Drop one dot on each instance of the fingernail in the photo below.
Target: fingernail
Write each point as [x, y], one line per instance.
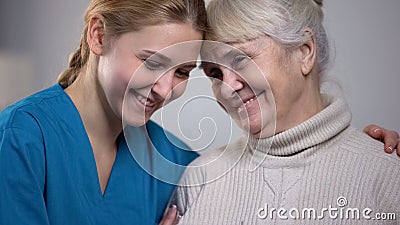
[390, 148]
[376, 130]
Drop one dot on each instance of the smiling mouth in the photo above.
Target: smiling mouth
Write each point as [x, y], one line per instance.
[144, 101]
[248, 103]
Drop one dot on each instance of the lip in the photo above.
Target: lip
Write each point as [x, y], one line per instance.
[250, 99]
[145, 103]
[248, 102]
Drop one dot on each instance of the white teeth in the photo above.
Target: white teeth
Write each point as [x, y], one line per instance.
[241, 108]
[248, 101]
[143, 100]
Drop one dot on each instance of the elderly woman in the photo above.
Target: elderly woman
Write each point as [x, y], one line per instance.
[302, 162]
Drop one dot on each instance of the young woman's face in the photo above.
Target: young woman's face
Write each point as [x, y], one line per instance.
[259, 88]
[137, 79]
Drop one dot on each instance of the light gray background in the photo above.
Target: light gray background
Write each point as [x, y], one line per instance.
[36, 38]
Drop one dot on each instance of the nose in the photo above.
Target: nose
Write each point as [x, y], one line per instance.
[163, 87]
[232, 83]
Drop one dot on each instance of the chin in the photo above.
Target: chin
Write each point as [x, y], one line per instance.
[255, 132]
[135, 120]
[132, 116]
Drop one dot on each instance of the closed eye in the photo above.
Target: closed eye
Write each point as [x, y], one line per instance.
[215, 73]
[240, 61]
[211, 70]
[152, 65]
[181, 73]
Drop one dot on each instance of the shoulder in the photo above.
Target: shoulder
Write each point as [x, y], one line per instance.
[215, 164]
[367, 148]
[368, 158]
[158, 133]
[23, 123]
[21, 142]
[169, 145]
[24, 113]
[20, 118]
[224, 155]
[208, 170]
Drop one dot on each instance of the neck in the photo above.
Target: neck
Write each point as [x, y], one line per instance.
[101, 124]
[320, 128]
[303, 106]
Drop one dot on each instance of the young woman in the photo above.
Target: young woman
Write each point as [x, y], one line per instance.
[63, 156]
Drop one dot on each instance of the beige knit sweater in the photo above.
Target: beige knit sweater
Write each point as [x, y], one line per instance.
[319, 172]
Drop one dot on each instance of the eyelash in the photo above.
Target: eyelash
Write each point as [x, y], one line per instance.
[240, 61]
[152, 65]
[216, 73]
[182, 73]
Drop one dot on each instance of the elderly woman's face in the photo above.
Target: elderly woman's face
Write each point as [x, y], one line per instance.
[256, 82]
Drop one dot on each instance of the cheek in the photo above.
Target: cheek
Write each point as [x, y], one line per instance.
[114, 75]
[115, 84]
[256, 76]
[114, 70]
[216, 88]
[285, 94]
[142, 79]
[179, 88]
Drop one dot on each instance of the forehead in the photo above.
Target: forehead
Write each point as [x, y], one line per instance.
[171, 43]
[220, 53]
[256, 44]
[220, 48]
[160, 36]
[249, 44]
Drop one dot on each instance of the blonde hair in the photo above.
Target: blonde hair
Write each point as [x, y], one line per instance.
[283, 20]
[122, 16]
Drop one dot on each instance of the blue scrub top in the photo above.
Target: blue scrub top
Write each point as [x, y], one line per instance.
[48, 173]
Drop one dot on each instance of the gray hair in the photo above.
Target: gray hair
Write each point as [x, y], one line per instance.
[283, 20]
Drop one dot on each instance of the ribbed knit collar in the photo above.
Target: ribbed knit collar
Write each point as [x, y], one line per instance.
[333, 119]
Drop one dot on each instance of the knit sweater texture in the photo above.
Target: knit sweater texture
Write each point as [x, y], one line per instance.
[321, 171]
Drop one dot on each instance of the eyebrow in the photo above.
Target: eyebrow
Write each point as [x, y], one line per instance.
[234, 52]
[192, 65]
[157, 54]
[231, 53]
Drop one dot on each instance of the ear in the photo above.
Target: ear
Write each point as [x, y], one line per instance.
[308, 52]
[95, 34]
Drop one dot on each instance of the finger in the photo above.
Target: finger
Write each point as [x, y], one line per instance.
[390, 139]
[398, 147]
[374, 131]
[169, 218]
[177, 218]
